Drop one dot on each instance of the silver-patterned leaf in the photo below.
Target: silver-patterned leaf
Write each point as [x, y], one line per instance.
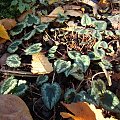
[13, 61]
[35, 48]
[50, 94]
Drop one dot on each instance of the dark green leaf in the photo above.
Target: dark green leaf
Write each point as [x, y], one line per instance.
[98, 87]
[20, 88]
[69, 95]
[50, 94]
[42, 79]
[40, 28]
[62, 18]
[31, 20]
[18, 29]
[14, 46]
[73, 54]
[27, 36]
[109, 101]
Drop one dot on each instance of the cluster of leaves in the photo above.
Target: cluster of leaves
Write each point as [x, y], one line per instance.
[13, 86]
[23, 5]
[6, 11]
[97, 95]
[76, 64]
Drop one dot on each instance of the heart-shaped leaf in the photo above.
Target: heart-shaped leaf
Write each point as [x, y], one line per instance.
[86, 20]
[82, 31]
[53, 49]
[109, 101]
[40, 28]
[83, 62]
[13, 61]
[62, 18]
[109, 33]
[61, 65]
[8, 85]
[29, 35]
[18, 29]
[97, 34]
[50, 94]
[98, 87]
[42, 79]
[35, 48]
[73, 54]
[20, 88]
[31, 20]
[14, 46]
[75, 71]
[100, 25]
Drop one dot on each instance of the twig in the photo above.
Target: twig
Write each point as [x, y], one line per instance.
[36, 112]
[18, 73]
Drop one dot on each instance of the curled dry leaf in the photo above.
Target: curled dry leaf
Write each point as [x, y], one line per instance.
[23, 15]
[83, 111]
[3, 34]
[40, 64]
[8, 23]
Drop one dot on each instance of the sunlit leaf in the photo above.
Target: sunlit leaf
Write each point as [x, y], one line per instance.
[13, 61]
[3, 34]
[117, 32]
[50, 94]
[83, 61]
[100, 25]
[97, 34]
[109, 33]
[75, 71]
[34, 48]
[86, 20]
[40, 64]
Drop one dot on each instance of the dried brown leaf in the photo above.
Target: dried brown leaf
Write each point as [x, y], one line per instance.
[40, 64]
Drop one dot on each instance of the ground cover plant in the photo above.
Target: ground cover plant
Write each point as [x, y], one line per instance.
[62, 57]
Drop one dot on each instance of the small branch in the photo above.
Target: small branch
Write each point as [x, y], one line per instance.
[18, 73]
